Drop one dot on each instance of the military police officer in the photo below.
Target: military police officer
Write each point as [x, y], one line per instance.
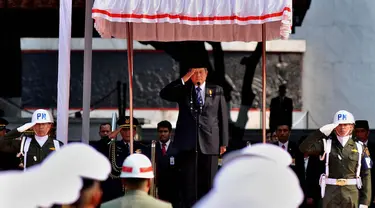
[32, 149]
[347, 178]
[117, 151]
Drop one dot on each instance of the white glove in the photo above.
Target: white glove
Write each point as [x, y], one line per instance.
[327, 129]
[363, 206]
[25, 127]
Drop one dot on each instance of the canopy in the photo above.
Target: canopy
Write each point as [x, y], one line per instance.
[213, 20]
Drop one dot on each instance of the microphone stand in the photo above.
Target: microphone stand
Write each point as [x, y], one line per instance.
[198, 111]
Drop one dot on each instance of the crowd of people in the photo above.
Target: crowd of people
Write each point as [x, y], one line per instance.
[331, 167]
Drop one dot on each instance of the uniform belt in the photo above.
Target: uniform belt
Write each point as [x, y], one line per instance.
[341, 181]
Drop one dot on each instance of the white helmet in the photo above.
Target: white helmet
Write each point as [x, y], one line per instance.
[42, 116]
[343, 117]
[137, 166]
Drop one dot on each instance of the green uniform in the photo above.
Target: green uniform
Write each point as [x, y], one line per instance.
[11, 143]
[136, 199]
[343, 162]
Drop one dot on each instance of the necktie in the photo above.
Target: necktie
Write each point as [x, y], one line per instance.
[283, 147]
[199, 96]
[164, 149]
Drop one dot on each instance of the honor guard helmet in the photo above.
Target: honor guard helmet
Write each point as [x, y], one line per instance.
[124, 122]
[259, 168]
[3, 124]
[42, 116]
[137, 166]
[343, 117]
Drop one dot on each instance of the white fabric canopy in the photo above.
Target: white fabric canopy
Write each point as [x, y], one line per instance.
[215, 20]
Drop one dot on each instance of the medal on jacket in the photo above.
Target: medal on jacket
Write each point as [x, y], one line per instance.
[171, 160]
[210, 92]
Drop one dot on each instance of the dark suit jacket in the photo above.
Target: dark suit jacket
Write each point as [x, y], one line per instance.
[167, 173]
[309, 178]
[213, 121]
[292, 150]
[281, 112]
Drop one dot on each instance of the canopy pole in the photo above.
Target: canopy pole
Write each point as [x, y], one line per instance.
[63, 80]
[87, 69]
[264, 78]
[129, 30]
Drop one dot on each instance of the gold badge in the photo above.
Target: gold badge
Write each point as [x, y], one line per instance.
[354, 150]
[210, 92]
[52, 148]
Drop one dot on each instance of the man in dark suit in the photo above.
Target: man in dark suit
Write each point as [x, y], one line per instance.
[166, 167]
[283, 133]
[193, 95]
[362, 132]
[281, 109]
[308, 169]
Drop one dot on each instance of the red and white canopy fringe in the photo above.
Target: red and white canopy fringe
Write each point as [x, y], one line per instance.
[179, 20]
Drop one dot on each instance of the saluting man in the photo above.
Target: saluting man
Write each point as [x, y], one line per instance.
[347, 178]
[117, 152]
[32, 149]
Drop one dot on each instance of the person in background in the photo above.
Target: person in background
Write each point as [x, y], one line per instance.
[104, 130]
[308, 169]
[8, 161]
[283, 132]
[136, 175]
[3, 126]
[167, 170]
[362, 132]
[281, 109]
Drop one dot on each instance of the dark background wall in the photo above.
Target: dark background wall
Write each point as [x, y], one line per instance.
[152, 71]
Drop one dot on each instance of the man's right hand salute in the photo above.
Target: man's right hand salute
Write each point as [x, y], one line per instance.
[188, 75]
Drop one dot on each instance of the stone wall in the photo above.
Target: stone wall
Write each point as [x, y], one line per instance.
[152, 71]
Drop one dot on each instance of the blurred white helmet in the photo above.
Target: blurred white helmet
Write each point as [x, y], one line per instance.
[343, 117]
[261, 176]
[42, 116]
[137, 166]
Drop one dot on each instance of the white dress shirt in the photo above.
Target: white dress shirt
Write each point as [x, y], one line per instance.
[285, 144]
[41, 140]
[203, 89]
[343, 140]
